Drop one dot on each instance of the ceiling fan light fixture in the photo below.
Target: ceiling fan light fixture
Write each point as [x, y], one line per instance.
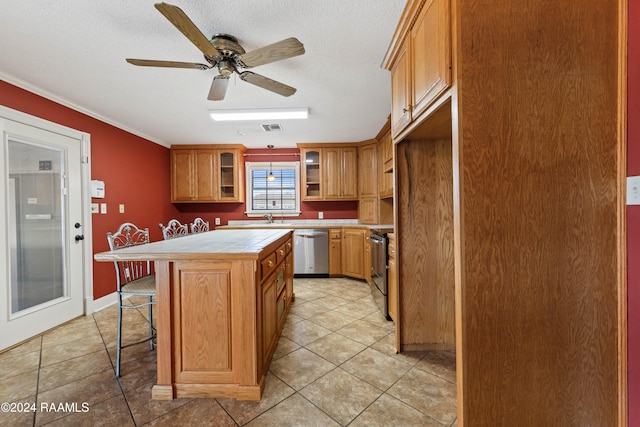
[259, 114]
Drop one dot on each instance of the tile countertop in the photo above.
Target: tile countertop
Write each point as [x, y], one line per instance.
[217, 244]
[298, 224]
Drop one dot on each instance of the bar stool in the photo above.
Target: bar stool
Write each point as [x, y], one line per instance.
[133, 278]
[199, 225]
[174, 229]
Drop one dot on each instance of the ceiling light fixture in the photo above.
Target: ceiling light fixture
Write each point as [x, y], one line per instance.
[259, 114]
[271, 176]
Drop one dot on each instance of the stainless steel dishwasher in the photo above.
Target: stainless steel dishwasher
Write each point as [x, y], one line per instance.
[311, 252]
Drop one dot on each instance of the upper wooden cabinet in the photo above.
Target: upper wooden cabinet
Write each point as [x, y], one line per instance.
[311, 159]
[401, 90]
[329, 171]
[207, 173]
[421, 68]
[385, 165]
[340, 173]
[368, 170]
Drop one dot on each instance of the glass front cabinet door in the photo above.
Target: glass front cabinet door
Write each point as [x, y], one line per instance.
[230, 176]
[311, 174]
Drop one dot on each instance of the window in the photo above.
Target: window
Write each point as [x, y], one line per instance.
[280, 197]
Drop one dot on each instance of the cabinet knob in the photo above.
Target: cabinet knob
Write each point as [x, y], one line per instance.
[281, 251]
[269, 263]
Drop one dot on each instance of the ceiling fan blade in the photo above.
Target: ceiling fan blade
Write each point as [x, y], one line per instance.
[182, 22]
[171, 64]
[218, 88]
[283, 49]
[267, 83]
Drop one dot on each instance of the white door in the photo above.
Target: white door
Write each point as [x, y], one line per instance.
[42, 230]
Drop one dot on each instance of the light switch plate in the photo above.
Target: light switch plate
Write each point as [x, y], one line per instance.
[320, 215]
[217, 221]
[633, 190]
[121, 208]
[103, 208]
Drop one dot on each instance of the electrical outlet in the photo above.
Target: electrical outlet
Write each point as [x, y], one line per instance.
[121, 208]
[320, 215]
[633, 190]
[103, 208]
[217, 221]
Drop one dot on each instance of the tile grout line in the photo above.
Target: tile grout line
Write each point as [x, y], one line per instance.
[35, 413]
[124, 396]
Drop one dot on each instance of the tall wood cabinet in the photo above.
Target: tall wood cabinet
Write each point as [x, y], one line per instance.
[510, 205]
[375, 187]
[207, 173]
[368, 182]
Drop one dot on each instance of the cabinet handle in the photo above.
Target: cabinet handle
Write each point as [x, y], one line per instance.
[269, 263]
[281, 252]
[408, 109]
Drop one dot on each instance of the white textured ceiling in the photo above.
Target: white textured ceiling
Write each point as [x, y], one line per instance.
[74, 51]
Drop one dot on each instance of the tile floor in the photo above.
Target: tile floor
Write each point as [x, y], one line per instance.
[334, 366]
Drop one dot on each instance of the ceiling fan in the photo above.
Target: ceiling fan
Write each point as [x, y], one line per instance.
[224, 53]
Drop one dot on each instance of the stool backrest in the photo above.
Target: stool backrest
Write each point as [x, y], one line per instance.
[199, 225]
[174, 229]
[129, 235]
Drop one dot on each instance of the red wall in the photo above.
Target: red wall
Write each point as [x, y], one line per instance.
[633, 215]
[136, 173]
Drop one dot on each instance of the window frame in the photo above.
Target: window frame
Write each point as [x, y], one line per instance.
[249, 167]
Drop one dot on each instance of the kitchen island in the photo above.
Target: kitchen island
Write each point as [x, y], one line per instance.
[222, 298]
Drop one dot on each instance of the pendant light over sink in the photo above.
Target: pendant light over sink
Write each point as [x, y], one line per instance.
[271, 176]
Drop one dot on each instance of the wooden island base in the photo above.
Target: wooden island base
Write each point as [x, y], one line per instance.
[222, 299]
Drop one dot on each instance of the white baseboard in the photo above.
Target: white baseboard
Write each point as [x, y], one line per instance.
[102, 303]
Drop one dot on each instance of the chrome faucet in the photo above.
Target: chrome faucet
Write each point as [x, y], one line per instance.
[269, 217]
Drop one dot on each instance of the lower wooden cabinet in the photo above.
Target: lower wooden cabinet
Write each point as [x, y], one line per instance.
[276, 295]
[353, 253]
[392, 284]
[269, 318]
[335, 252]
[220, 319]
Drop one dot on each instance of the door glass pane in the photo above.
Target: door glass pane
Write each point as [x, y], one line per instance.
[36, 224]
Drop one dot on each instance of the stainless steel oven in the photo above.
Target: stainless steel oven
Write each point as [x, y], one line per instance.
[378, 285]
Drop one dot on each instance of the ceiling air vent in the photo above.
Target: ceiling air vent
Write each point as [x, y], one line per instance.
[271, 128]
